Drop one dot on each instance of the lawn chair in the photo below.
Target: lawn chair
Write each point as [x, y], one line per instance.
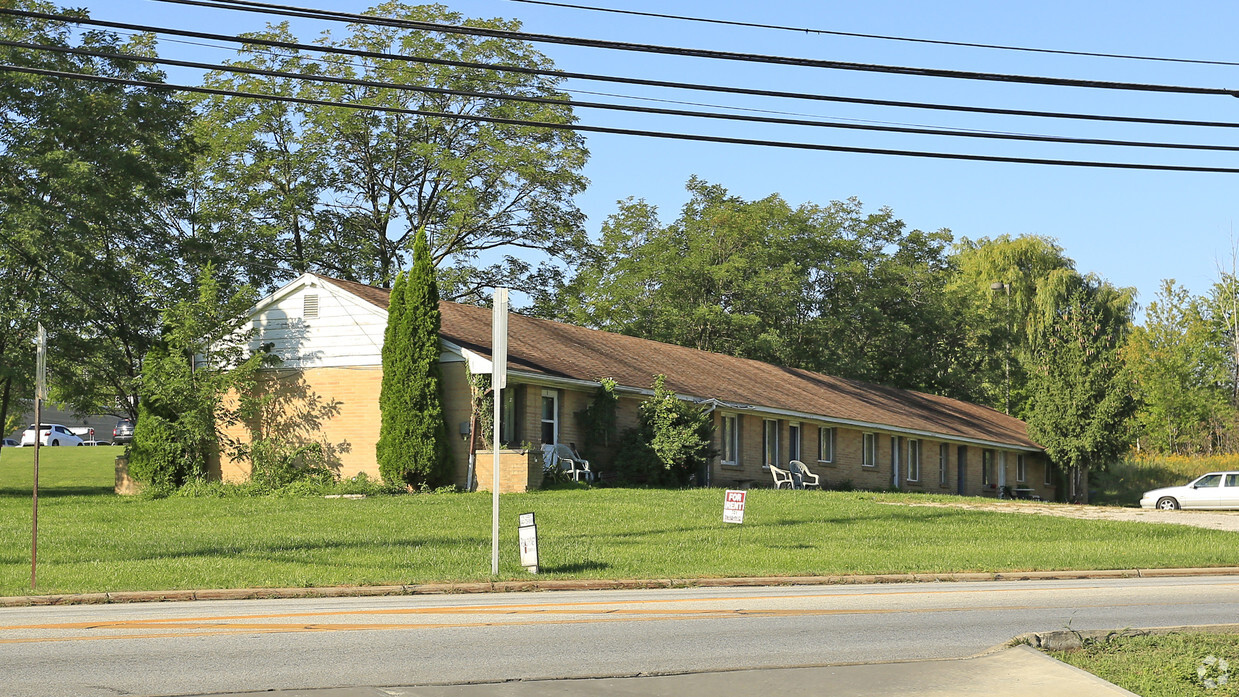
[807, 478]
[570, 462]
[781, 477]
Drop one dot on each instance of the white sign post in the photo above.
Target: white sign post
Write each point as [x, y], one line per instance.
[527, 534]
[498, 381]
[733, 506]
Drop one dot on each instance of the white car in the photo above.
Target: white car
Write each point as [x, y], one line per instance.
[50, 434]
[1216, 490]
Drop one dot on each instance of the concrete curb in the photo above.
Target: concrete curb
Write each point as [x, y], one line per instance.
[589, 584]
[1070, 640]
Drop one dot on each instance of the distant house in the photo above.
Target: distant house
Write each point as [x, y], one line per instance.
[329, 334]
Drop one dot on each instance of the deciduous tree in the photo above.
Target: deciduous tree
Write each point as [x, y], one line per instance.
[1079, 391]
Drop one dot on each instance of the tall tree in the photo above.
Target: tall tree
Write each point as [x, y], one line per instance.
[1080, 393]
[365, 181]
[1179, 373]
[184, 408]
[413, 446]
[89, 173]
[993, 289]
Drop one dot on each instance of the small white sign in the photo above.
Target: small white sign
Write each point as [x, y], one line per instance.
[733, 506]
[527, 536]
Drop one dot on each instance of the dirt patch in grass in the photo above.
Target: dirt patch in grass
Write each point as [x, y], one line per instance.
[1211, 520]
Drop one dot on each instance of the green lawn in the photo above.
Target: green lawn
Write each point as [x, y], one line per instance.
[1169, 665]
[91, 540]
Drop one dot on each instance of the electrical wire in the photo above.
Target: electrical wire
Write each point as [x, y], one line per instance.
[309, 13]
[620, 131]
[613, 107]
[884, 37]
[807, 96]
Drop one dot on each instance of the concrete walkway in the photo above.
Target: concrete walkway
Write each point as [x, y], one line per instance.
[1019, 671]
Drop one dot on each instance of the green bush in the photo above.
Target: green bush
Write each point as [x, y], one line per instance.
[671, 443]
[276, 464]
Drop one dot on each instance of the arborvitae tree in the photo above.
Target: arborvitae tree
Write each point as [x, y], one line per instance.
[413, 445]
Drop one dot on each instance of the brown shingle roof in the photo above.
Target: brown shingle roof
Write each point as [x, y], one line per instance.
[559, 350]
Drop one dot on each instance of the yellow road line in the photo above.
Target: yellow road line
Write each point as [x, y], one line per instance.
[196, 628]
[557, 608]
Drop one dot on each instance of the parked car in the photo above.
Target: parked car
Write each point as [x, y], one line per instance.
[95, 442]
[10, 443]
[123, 433]
[50, 434]
[1216, 490]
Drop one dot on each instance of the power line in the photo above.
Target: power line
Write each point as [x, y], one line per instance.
[884, 37]
[620, 131]
[808, 96]
[614, 107]
[290, 11]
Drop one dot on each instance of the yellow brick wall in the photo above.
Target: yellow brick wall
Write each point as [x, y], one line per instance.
[846, 465]
[337, 407]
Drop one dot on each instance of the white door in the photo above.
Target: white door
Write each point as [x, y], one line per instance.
[1203, 493]
[1229, 493]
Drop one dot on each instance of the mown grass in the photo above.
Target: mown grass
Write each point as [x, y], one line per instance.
[101, 542]
[1124, 482]
[1170, 665]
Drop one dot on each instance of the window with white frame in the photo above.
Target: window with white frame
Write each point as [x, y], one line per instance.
[550, 417]
[731, 439]
[825, 444]
[793, 441]
[869, 452]
[770, 442]
[987, 467]
[1021, 470]
[944, 457]
[914, 460]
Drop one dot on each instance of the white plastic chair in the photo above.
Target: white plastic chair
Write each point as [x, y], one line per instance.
[781, 477]
[807, 478]
[575, 466]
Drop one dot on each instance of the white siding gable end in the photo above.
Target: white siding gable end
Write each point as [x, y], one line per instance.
[346, 331]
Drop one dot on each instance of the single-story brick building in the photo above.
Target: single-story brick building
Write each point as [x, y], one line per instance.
[329, 334]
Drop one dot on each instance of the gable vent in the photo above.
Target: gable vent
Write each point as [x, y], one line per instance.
[310, 309]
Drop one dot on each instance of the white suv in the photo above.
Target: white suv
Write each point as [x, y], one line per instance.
[50, 434]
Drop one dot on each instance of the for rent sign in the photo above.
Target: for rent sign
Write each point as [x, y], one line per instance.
[733, 506]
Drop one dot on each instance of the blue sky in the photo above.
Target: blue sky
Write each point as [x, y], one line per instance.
[1132, 227]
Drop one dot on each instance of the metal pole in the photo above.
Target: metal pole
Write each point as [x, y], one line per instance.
[1006, 364]
[494, 490]
[40, 392]
[34, 527]
[499, 380]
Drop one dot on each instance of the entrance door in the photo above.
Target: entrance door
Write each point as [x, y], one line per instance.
[895, 443]
[961, 466]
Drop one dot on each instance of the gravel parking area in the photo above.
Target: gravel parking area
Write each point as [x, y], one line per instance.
[1213, 520]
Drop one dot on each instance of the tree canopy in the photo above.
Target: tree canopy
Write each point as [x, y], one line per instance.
[343, 191]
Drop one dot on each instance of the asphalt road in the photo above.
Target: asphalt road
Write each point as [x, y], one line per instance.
[204, 647]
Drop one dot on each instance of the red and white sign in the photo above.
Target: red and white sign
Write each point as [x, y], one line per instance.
[733, 506]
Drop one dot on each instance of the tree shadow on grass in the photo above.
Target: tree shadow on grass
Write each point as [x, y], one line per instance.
[57, 491]
[576, 568]
[277, 550]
